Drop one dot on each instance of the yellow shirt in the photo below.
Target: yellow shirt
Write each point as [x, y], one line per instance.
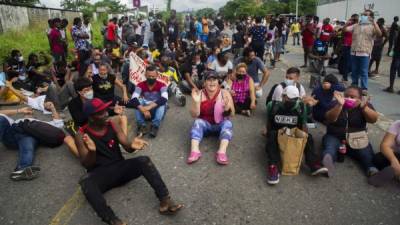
[295, 28]
[155, 54]
[116, 52]
[171, 72]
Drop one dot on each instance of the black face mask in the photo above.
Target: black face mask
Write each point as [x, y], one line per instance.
[290, 104]
[151, 81]
[240, 76]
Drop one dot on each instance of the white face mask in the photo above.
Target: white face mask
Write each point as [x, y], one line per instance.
[103, 76]
[289, 82]
[20, 58]
[88, 95]
[22, 77]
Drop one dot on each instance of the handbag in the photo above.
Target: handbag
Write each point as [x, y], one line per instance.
[356, 140]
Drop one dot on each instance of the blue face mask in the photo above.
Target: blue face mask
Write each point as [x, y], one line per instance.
[364, 19]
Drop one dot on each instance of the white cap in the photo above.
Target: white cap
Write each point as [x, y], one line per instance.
[291, 92]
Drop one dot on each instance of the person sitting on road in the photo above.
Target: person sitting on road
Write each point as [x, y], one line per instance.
[319, 57]
[290, 113]
[323, 96]
[350, 113]
[292, 78]
[99, 149]
[212, 107]
[104, 84]
[223, 66]
[242, 90]
[174, 80]
[6, 96]
[390, 150]
[149, 100]
[254, 64]
[192, 70]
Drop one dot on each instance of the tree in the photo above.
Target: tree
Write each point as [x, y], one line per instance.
[75, 4]
[207, 12]
[22, 2]
[114, 6]
[169, 3]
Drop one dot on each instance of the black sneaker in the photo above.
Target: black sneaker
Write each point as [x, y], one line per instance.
[318, 169]
[142, 129]
[182, 100]
[27, 173]
[153, 131]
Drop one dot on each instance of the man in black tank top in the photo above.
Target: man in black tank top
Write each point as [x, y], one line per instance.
[98, 144]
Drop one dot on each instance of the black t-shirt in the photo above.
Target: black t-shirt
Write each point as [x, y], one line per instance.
[280, 116]
[104, 88]
[220, 24]
[75, 107]
[107, 146]
[356, 120]
[238, 39]
[193, 70]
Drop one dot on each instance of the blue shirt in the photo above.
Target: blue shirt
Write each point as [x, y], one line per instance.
[2, 79]
[258, 33]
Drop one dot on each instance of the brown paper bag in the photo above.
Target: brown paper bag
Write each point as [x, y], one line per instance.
[291, 144]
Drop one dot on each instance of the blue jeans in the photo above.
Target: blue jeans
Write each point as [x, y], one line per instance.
[13, 137]
[202, 127]
[331, 144]
[359, 71]
[157, 114]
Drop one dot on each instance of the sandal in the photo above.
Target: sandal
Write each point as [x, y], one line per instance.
[193, 157]
[169, 207]
[221, 158]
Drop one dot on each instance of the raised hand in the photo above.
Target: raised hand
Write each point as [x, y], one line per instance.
[339, 97]
[196, 95]
[119, 110]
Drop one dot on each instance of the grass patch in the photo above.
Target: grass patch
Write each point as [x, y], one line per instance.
[33, 39]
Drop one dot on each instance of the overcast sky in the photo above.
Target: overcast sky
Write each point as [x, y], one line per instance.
[179, 5]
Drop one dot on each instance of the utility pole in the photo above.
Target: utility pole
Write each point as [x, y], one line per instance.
[347, 9]
[297, 9]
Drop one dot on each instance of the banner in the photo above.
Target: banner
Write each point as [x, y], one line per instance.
[137, 69]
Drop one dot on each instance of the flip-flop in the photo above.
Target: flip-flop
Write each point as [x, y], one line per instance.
[171, 208]
[193, 157]
[221, 158]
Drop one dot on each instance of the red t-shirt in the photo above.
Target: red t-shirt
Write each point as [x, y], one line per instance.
[111, 27]
[56, 46]
[347, 39]
[326, 32]
[308, 35]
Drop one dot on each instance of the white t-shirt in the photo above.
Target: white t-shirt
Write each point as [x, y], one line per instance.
[277, 96]
[59, 123]
[221, 69]
[38, 103]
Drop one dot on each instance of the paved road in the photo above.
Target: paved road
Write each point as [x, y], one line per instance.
[234, 194]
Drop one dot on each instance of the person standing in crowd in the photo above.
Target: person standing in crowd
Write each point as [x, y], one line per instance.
[362, 42]
[393, 33]
[254, 64]
[219, 22]
[172, 28]
[238, 40]
[290, 112]
[295, 30]
[345, 59]
[186, 25]
[112, 35]
[308, 32]
[258, 34]
[147, 32]
[157, 28]
[100, 153]
[377, 49]
[87, 27]
[326, 32]
[64, 37]
[81, 45]
[394, 66]
[57, 44]
[212, 107]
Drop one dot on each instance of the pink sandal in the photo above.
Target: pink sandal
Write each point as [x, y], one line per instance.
[221, 158]
[193, 157]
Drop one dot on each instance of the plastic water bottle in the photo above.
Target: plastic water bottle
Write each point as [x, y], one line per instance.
[343, 148]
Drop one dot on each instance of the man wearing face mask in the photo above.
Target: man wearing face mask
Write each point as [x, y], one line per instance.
[363, 37]
[149, 101]
[292, 78]
[290, 113]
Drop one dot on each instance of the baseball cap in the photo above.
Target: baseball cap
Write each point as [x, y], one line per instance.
[291, 92]
[145, 46]
[210, 73]
[95, 105]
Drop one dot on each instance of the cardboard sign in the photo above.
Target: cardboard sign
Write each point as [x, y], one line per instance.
[137, 69]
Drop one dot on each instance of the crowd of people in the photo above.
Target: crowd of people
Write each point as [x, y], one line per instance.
[215, 62]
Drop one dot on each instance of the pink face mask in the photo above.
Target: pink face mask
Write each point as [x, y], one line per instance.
[349, 103]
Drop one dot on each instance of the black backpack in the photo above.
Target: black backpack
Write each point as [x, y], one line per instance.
[45, 133]
[271, 92]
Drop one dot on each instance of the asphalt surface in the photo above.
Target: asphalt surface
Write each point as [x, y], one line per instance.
[212, 194]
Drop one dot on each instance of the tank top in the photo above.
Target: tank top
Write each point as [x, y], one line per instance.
[207, 107]
[241, 89]
[107, 145]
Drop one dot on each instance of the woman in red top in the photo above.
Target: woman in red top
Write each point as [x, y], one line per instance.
[308, 32]
[212, 107]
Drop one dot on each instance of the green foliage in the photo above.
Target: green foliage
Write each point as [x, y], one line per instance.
[207, 12]
[169, 3]
[75, 4]
[235, 9]
[114, 6]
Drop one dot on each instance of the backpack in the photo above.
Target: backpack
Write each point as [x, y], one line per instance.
[45, 133]
[319, 47]
[271, 92]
